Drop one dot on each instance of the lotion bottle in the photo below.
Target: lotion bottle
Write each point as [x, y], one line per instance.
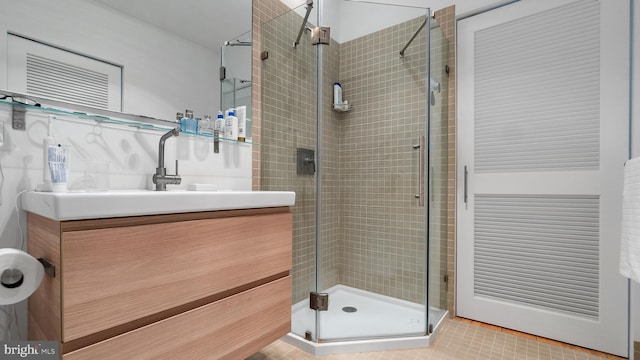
[218, 126]
[231, 126]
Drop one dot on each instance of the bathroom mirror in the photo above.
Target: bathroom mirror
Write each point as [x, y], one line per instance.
[160, 59]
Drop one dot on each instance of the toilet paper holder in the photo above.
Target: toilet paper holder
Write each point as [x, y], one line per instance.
[49, 268]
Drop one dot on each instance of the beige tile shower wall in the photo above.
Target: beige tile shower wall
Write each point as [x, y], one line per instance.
[288, 83]
[261, 11]
[382, 229]
[447, 19]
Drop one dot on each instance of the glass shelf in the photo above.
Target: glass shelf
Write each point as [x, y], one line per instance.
[137, 121]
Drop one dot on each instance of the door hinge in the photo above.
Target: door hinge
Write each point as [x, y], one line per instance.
[446, 69]
[321, 35]
[319, 301]
[446, 278]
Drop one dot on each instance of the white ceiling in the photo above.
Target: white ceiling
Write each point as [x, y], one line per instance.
[212, 22]
[206, 22]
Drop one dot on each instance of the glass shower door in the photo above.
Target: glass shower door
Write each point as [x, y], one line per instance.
[372, 237]
[438, 173]
[288, 146]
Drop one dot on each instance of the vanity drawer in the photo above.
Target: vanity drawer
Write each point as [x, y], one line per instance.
[232, 328]
[113, 276]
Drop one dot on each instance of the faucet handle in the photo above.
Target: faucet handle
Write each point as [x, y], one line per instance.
[176, 167]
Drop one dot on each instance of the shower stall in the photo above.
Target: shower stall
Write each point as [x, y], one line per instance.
[370, 173]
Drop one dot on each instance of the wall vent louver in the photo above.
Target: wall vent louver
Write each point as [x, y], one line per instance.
[58, 80]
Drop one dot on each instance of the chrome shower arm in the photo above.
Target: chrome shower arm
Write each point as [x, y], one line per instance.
[304, 22]
[413, 37]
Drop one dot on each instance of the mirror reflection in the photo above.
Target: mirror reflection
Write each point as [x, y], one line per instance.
[124, 55]
[235, 75]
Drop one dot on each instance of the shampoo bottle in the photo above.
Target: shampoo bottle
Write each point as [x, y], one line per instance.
[218, 126]
[231, 126]
[337, 93]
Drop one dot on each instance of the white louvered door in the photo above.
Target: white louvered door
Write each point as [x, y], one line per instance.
[543, 136]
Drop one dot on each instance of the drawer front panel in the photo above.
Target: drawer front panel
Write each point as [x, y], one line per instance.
[117, 275]
[232, 328]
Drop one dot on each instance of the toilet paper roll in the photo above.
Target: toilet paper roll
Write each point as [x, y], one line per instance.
[20, 275]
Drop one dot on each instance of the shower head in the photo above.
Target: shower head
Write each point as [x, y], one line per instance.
[304, 23]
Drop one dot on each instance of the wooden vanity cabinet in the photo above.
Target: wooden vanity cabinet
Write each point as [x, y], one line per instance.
[206, 285]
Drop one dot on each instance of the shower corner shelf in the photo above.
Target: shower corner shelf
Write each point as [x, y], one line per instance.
[344, 107]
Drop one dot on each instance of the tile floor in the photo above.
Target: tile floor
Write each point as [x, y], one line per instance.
[459, 339]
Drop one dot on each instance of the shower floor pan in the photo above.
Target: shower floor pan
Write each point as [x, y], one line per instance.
[362, 321]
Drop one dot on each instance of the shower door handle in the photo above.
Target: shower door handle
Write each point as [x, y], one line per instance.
[465, 193]
[421, 166]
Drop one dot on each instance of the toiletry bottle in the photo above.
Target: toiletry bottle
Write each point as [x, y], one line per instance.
[193, 123]
[183, 123]
[197, 122]
[231, 126]
[242, 123]
[205, 126]
[47, 142]
[188, 124]
[218, 126]
[337, 93]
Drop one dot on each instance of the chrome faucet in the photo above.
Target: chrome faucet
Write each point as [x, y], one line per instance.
[160, 178]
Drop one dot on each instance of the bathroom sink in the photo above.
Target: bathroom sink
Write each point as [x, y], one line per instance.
[92, 205]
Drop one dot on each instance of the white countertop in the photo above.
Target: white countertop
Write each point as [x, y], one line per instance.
[120, 203]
